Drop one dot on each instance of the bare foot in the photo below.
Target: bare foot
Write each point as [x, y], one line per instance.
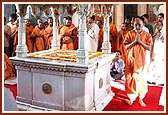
[142, 103]
[128, 102]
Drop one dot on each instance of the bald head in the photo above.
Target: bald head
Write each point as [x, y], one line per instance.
[138, 24]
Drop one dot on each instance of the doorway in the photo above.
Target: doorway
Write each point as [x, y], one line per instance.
[130, 10]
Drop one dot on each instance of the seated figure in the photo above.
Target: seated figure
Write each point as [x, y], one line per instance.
[117, 66]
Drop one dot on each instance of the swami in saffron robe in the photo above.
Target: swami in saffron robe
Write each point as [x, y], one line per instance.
[136, 84]
[29, 41]
[67, 43]
[39, 41]
[48, 35]
[114, 38]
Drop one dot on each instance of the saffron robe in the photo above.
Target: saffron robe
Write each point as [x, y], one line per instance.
[100, 39]
[38, 36]
[9, 69]
[114, 37]
[29, 41]
[48, 36]
[70, 41]
[135, 84]
[122, 47]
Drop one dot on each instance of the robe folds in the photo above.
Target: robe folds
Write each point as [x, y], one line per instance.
[114, 38]
[48, 35]
[67, 43]
[100, 39]
[29, 41]
[39, 41]
[122, 46]
[136, 84]
[9, 69]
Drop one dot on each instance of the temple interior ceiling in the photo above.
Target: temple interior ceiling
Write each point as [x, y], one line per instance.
[60, 9]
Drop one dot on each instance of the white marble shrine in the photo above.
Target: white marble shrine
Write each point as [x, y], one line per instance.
[65, 86]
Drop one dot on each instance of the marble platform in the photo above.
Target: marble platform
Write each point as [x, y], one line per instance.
[51, 85]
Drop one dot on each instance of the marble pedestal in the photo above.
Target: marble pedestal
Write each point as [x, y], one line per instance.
[64, 86]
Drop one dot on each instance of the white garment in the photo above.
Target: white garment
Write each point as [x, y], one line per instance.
[156, 69]
[158, 49]
[156, 72]
[92, 36]
[119, 65]
[147, 51]
[145, 29]
[10, 24]
[9, 101]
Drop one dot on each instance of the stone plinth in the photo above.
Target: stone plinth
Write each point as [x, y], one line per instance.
[65, 86]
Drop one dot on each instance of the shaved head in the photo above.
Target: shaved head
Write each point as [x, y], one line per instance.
[138, 24]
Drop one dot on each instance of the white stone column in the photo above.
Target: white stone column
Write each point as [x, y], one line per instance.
[106, 45]
[21, 48]
[82, 52]
[119, 17]
[55, 42]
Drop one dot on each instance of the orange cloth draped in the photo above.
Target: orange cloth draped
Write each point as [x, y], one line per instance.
[100, 39]
[69, 45]
[48, 36]
[14, 31]
[114, 39]
[76, 43]
[29, 41]
[122, 47]
[9, 69]
[135, 81]
[38, 36]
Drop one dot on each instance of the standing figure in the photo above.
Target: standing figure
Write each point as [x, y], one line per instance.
[67, 34]
[38, 36]
[128, 20]
[147, 24]
[29, 29]
[100, 37]
[122, 34]
[137, 42]
[92, 34]
[156, 72]
[12, 24]
[48, 33]
[114, 38]
[7, 35]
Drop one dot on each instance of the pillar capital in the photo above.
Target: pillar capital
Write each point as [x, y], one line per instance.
[21, 9]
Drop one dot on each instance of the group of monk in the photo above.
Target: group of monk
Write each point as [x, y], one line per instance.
[40, 37]
[132, 40]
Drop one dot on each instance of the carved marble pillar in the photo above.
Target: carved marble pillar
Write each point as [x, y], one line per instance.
[82, 52]
[21, 49]
[106, 45]
[106, 11]
[55, 42]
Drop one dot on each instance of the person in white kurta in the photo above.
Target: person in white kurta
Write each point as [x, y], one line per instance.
[156, 70]
[92, 34]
